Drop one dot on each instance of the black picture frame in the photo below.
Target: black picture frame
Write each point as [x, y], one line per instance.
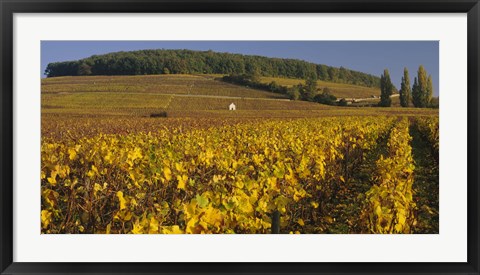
[9, 7]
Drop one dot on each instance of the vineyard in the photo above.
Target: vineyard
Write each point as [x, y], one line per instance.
[350, 174]
[150, 84]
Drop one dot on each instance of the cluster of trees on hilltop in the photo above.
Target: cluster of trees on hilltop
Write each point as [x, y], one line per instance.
[420, 94]
[204, 62]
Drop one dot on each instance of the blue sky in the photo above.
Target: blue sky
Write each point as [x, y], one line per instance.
[366, 56]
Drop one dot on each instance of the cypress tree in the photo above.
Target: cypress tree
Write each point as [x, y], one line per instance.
[405, 90]
[421, 92]
[429, 92]
[416, 95]
[386, 88]
[422, 86]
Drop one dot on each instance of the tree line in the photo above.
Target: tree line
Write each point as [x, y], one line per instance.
[420, 94]
[161, 61]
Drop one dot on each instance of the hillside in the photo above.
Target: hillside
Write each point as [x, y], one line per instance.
[151, 62]
[144, 95]
[151, 84]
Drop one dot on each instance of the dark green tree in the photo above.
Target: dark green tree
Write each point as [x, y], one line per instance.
[311, 82]
[405, 90]
[309, 90]
[429, 93]
[416, 95]
[274, 87]
[294, 93]
[333, 74]
[421, 92]
[322, 72]
[84, 69]
[422, 86]
[386, 88]
[342, 102]
[253, 76]
[325, 97]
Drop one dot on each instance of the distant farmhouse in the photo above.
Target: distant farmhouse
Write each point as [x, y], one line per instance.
[232, 107]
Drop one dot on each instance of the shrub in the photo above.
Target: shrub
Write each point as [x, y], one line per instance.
[325, 98]
[342, 102]
[159, 114]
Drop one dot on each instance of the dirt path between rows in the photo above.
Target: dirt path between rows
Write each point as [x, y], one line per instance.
[426, 187]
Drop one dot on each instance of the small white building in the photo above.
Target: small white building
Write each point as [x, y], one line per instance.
[232, 107]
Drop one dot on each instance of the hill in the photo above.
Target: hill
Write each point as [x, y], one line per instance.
[148, 62]
[144, 95]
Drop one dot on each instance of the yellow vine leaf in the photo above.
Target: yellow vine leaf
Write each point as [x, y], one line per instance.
[182, 180]
[72, 154]
[46, 218]
[137, 228]
[123, 202]
[378, 211]
[53, 177]
[167, 173]
[153, 226]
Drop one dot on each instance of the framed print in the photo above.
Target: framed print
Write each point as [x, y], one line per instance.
[239, 137]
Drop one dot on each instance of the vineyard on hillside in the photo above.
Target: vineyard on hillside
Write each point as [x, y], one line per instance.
[319, 175]
[150, 84]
